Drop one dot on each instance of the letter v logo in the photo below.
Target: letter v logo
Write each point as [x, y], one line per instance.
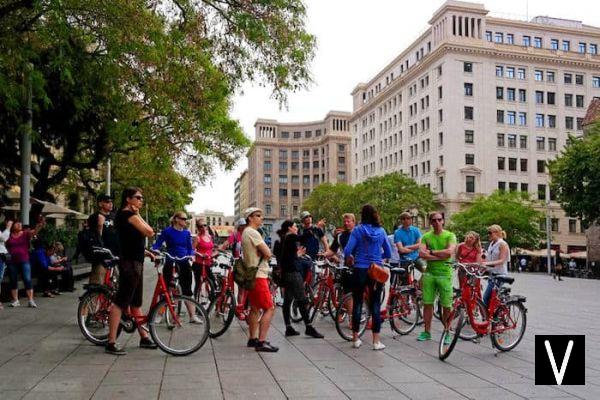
[559, 375]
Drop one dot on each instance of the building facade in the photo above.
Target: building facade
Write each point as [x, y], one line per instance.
[479, 103]
[240, 191]
[288, 160]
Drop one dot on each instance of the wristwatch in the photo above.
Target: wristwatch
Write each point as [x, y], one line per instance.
[430, 252]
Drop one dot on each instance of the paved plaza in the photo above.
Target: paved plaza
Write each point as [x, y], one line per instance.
[44, 356]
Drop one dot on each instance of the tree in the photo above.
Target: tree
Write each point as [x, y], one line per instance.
[114, 77]
[512, 211]
[575, 176]
[391, 194]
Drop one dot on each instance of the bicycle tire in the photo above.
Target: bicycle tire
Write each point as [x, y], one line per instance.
[501, 316]
[199, 332]
[343, 319]
[404, 308]
[99, 299]
[455, 322]
[320, 305]
[204, 292]
[480, 316]
[221, 313]
[295, 314]
[333, 300]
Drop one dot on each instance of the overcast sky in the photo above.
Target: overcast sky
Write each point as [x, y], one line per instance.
[355, 40]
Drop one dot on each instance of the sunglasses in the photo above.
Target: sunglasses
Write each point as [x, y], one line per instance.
[490, 232]
[202, 226]
[183, 219]
[141, 198]
[436, 219]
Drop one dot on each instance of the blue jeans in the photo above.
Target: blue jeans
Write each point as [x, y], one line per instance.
[360, 280]
[13, 270]
[2, 267]
[488, 291]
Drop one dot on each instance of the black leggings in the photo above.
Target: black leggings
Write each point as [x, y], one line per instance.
[293, 289]
[185, 275]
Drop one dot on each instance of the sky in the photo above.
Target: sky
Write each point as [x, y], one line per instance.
[355, 40]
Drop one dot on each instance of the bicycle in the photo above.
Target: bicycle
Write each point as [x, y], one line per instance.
[176, 337]
[328, 290]
[204, 289]
[222, 308]
[505, 315]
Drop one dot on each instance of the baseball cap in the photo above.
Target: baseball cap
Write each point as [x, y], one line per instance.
[240, 222]
[250, 211]
[104, 197]
[305, 214]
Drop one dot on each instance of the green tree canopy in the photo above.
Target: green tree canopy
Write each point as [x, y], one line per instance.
[512, 211]
[391, 194]
[575, 176]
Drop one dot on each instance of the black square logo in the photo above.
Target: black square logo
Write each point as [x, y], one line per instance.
[559, 360]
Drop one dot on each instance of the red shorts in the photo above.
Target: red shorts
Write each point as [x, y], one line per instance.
[260, 297]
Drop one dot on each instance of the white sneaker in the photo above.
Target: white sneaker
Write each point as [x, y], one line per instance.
[195, 320]
[378, 346]
[15, 303]
[356, 344]
[32, 304]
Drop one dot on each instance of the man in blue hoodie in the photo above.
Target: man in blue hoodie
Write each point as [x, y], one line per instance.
[368, 244]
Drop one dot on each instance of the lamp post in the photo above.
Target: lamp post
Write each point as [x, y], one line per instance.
[548, 230]
[25, 147]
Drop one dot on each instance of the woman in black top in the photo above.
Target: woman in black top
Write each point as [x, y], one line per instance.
[293, 282]
[132, 231]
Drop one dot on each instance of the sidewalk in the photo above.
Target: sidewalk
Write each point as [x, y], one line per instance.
[44, 356]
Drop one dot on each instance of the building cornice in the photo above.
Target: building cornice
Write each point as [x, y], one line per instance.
[292, 143]
[585, 30]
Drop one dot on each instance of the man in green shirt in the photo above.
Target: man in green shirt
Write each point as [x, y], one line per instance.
[437, 248]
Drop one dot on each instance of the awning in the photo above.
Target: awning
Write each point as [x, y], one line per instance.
[76, 215]
[577, 254]
[48, 208]
[535, 253]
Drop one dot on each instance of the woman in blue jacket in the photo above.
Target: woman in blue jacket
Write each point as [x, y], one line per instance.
[368, 244]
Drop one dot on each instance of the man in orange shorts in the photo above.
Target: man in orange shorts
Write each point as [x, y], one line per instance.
[256, 253]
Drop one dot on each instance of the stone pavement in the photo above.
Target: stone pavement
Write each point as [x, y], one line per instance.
[44, 356]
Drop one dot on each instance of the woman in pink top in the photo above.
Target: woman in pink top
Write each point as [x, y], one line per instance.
[18, 250]
[469, 252]
[204, 247]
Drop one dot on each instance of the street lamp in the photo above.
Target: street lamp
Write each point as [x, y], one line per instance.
[548, 230]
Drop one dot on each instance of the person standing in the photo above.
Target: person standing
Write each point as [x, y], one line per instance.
[234, 241]
[368, 244]
[4, 235]
[341, 237]
[17, 245]
[132, 231]
[256, 253]
[102, 224]
[312, 236]
[558, 265]
[469, 251]
[407, 239]
[498, 254]
[204, 247]
[522, 264]
[437, 248]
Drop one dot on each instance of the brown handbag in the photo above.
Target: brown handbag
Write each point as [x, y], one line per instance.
[378, 274]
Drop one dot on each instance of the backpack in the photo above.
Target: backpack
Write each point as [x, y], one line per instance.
[86, 241]
[243, 275]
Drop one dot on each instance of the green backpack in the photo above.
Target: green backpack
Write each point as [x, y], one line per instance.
[243, 275]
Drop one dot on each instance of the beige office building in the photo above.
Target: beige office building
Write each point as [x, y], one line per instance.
[288, 160]
[241, 192]
[479, 103]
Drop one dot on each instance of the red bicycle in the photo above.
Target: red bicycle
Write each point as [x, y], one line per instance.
[504, 319]
[173, 334]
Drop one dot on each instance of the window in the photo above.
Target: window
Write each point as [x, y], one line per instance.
[596, 81]
[510, 94]
[440, 92]
[307, 134]
[566, 45]
[579, 124]
[306, 179]
[541, 192]
[523, 165]
[551, 98]
[569, 122]
[305, 164]
[523, 95]
[524, 187]
[500, 140]
[318, 132]
[500, 116]
[541, 143]
[488, 36]
[499, 37]
[305, 193]
[283, 154]
[499, 92]
[267, 192]
[568, 100]
[541, 166]
[470, 184]
[523, 141]
[593, 48]
[554, 44]
[305, 153]
[283, 210]
[316, 164]
[268, 209]
[297, 135]
[523, 118]
[537, 42]
[510, 38]
[539, 75]
[470, 159]
[502, 186]
[552, 144]
[568, 78]
[501, 163]
[469, 137]
[579, 100]
[468, 89]
[511, 117]
[267, 152]
[539, 120]
[551, 121]
[468, 113]
[582, 47]
[283, 179]
[526, 40]
[267, 165]
[267, 178]
[283, 165]
[579, 79]
[554, 222]
[315, 179]
[467, 67]
[341, 147]
[510, 72]
[441, 138]
[521, 73]
[572, 225]
[283, 192]
[499, 71]
[295, 192]
[295, 166]
[550, 76]
[512, 186]
[285, 135]
[512, 141]
[295, 179]
[539, 97]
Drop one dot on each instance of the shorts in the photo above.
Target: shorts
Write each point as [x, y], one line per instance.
[437, 284]
[260, 297]
[131, 284]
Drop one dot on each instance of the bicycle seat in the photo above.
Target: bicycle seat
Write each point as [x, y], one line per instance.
[398, 270]
[504, 279]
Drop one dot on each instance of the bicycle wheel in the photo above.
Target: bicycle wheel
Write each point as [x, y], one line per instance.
[511, 318]
[334, 300]
[295, 314]
[205, 292]
[479, 316]
[404, 312]
[450, 336]
[319, 303]
[186, 335]
[221, 313]
[437, 308]
[343, 318]
[92, 315]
